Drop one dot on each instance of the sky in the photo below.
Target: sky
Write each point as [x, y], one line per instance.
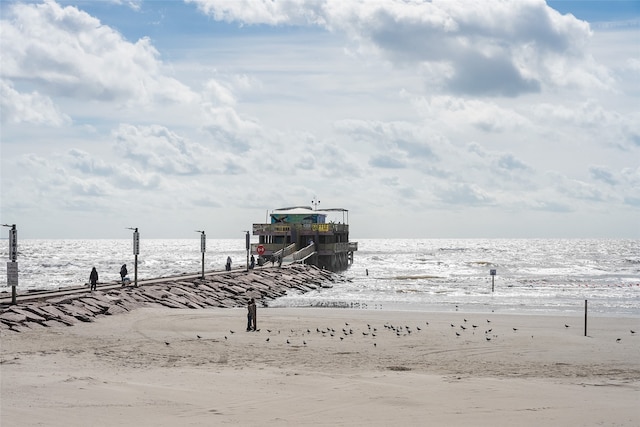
[440, 119]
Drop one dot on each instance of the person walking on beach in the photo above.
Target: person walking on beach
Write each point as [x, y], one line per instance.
[123, 272]
[93, 279]
[253, 262]
[253, 310]
[228, 266]
[249, 316]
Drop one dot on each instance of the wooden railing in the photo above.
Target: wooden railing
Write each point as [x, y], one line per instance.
[286, 251]
[303, 253]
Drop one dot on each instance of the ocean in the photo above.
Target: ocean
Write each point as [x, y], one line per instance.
[532, 275]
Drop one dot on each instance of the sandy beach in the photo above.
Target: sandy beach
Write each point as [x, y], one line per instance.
[312, 366]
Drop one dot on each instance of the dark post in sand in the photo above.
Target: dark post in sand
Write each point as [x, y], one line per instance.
[585, 318]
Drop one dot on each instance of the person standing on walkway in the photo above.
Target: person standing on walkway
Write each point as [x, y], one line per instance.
[93, 279]
[123, 272]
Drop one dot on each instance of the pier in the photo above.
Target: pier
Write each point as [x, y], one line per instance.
[219, 289]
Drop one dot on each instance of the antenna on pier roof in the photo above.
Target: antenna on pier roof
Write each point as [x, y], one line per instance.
[315, 202]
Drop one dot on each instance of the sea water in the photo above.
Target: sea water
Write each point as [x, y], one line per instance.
[532, 275]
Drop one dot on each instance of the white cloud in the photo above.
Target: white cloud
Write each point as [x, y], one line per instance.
[66, 52]
[492, 48]
[30, 108]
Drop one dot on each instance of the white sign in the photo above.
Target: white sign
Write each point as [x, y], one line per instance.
[12, 274]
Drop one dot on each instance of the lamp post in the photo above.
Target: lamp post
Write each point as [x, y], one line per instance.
[136, 252]
[315, 203]
[203, 247]
[12, 265]
[248, 245]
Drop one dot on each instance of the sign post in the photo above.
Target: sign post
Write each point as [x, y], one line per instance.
[203, 247]
[12, 265]
[136, 252]
[493, 276]
[248, 245]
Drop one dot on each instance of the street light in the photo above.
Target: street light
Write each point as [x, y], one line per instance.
[315, 203]
[136, 252]
[248, 245]
[203, 247]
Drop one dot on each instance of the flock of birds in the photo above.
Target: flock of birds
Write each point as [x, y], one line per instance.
[348, 332]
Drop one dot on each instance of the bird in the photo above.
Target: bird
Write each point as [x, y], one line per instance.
[304, 343]
[198, 336]
[287, 341]
[566, 326]
[465, 320]
[269, 330]
[166, 342]
[619, 339]
[375, 345]
[225, 337]
[462, 327]
[452, 325]
[515, 329]
[474, 326]
[233, 332]
[267, 340]
[488, 338]
[488, 321]
[457, 334]
[632, 331]
[341, 338]
[418, 328]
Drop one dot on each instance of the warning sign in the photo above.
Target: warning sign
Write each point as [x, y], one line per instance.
[12, 274]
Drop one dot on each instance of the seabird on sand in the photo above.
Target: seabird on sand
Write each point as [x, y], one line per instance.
[619, 339]
[166, 342]
[566, 326]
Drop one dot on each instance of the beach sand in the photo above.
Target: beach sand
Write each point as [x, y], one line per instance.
[149, 368]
